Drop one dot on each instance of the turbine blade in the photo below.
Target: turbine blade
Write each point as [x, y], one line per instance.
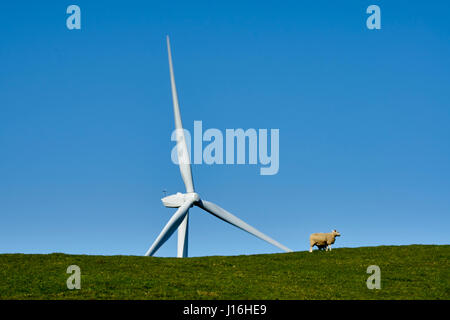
[235, 221]
[170, 227]
[182, 151]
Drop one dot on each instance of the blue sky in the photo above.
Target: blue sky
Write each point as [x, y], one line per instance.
[86, 117]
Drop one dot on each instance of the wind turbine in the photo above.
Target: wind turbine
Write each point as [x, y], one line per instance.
[184, 201]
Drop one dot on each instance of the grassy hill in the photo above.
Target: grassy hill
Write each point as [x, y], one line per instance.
[407, 272]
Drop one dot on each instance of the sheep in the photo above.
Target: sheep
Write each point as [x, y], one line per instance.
[323, 240]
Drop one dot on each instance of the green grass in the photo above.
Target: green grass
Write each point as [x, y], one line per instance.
[407, 272]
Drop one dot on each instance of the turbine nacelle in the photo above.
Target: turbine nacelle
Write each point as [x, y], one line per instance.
[178, 199]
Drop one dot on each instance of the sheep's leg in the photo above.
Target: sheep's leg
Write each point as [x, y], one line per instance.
[329, 246]
[311, 245]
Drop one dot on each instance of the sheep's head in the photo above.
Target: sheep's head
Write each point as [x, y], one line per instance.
[335, 233]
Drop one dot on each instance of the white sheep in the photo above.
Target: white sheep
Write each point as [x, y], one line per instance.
[323, 240]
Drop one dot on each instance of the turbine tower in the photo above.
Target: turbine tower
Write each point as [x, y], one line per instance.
[185, 201]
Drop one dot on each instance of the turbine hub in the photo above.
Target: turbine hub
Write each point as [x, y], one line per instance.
[192, 195]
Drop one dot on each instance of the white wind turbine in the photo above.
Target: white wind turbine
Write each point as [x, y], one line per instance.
[184, 201]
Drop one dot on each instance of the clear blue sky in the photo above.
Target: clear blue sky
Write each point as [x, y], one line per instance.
[86, 117]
